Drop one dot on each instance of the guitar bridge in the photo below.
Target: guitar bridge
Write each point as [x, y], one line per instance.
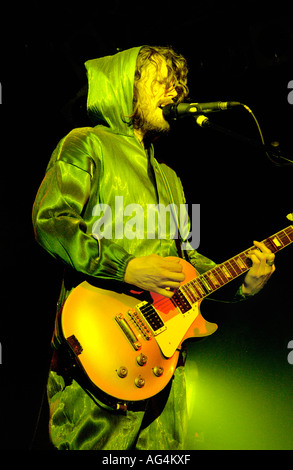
[148, 312]
[128, 331]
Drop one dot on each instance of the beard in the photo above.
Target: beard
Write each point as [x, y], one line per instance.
[152, 122]
[154, 128]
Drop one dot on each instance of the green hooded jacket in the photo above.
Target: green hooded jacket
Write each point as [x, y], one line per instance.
[86, 210]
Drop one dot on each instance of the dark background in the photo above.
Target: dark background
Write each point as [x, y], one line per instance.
[242, 397]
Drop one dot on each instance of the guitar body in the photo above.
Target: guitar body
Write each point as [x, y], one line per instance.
[127, 347]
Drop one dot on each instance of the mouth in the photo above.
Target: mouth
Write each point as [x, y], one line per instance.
[162, 105]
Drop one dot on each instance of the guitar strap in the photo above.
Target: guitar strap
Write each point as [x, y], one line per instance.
[178, 240]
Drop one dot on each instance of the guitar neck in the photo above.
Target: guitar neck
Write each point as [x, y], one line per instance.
[222, 274]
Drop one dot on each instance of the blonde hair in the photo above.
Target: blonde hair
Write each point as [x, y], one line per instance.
[177, 75]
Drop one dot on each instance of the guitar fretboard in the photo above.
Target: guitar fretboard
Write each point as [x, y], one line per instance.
[222, 274]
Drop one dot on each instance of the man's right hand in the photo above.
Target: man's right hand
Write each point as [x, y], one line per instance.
[155, 274]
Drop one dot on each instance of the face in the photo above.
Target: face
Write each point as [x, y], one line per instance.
[153, 94]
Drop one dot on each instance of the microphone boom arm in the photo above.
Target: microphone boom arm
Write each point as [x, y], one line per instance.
[272, 150]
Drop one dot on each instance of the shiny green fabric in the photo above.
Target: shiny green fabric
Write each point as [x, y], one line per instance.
[79, 422]
[91, 166]
[111, 89]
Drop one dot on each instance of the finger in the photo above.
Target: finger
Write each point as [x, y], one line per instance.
[254, 258]
[269, 256]
[262, 247]
[172, 285]
[171, 276]
[259, 265]
[270, 260]
[166, 292]
[260, 255]
[173, 264]
[172, 259]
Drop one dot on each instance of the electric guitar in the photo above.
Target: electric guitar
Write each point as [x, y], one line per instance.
[129, 347]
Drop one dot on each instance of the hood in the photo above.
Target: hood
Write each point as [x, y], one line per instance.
[110, 93]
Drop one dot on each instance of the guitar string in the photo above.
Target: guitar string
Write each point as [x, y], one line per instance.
[285, 237]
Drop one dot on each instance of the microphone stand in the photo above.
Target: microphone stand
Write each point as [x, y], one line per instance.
[273, 151]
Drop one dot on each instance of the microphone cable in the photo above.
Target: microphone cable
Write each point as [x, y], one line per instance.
[272, 151]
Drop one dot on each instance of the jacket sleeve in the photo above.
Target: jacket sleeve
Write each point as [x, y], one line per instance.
[58, 214]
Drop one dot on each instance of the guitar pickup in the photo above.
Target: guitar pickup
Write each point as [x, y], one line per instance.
[148, 312]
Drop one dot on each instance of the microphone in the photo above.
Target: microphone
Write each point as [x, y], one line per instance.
[172, 112]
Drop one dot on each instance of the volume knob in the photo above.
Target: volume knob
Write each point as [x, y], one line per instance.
[122, 372]
[158, 371]
[141, 359]
[139, 381]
